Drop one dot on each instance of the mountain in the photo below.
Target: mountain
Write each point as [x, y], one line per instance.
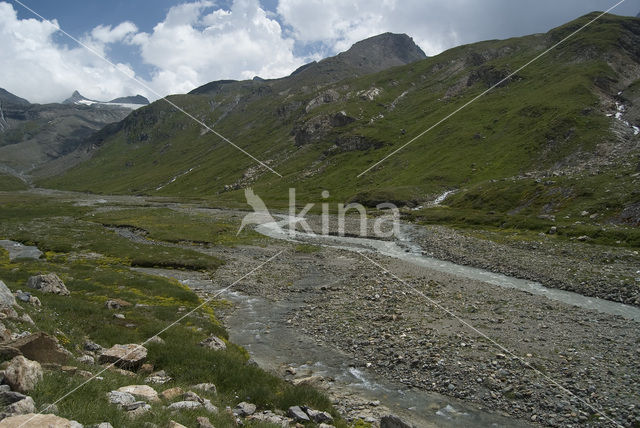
[365, 57]
[137, 99]
[132, 102]
[7, 98]
[77, 98]
[45, 139]
[558, 138]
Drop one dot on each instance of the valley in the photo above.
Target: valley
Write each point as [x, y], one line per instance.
[325, 315]
[508, 296]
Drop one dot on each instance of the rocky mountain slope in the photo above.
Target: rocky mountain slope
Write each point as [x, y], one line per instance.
[46, 139]
[558, 139]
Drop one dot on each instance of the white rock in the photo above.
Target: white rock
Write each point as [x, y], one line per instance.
[120, 398]
[144, 392]
[22, 375]
[215, 343]
[130, 356]
[32, 420]
[182, 405]
[6, 296]
[48, 283]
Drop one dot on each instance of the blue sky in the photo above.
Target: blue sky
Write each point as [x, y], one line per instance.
[173, 46]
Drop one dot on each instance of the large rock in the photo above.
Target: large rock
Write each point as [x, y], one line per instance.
[185, 405]
[129, 357]
[392, 421]
[144, 392]
[244, 409]
[48, 283]
[6, 296]
[5, 333]
[172, 393]
[42, 348]
[120, 398]
[318, 416]
[174, 424]
[22, 374]
[215, 343]
[26, 405]
[32, 420]
[268, 417]
[298, 414]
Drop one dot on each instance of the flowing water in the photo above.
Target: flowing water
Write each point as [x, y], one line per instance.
[405, 250]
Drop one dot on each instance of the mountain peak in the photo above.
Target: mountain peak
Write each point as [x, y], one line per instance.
[388, 47]
[7, 97]
[75, 98]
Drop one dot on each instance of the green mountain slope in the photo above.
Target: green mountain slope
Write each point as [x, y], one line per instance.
[547, 142]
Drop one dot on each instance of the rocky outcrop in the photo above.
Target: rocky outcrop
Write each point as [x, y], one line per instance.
[318, 127]
[22, 374]
[128, 357]
[48, 283]
[325, 97]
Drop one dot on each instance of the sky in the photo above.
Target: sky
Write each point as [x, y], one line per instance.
[161, 47]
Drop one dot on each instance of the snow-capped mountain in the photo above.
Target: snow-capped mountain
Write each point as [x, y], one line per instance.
[131, 102]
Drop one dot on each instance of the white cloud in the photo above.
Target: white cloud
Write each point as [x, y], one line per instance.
[339, 24]
[195, 45]
[36, 68]
[107, 34]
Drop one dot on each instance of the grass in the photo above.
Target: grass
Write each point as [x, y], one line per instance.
[60, 227]
[10, 183]
[94, 278]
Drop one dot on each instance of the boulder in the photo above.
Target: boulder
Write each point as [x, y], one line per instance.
[22, 374]
[115, 304]
[174, 424]
[155, 339]
[136, 409]
[86, 359]
[215, 343]
[92, 346]
[7, 299]
[42, 348]
[298, 414]
[391, 421]
[48, 283]
[129, 357]
[244, 409]
[9, 397]
[26, 405]
[159, 377]
[204, 422]
[206, 387]
[172, 393]
[33, 420]
[120, 398]
[23, 296]
[319, 417]
[268, 417]
[144, 392]
[5, 333]
[184, 405]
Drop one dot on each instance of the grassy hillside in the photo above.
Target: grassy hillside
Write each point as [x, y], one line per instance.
[547, 126]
